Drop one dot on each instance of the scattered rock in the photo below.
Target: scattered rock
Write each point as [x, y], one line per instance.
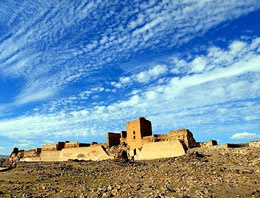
[209, 173]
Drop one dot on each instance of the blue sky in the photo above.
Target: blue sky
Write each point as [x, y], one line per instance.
[73, 70]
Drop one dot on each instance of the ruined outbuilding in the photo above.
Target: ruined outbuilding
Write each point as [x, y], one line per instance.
[137, 142]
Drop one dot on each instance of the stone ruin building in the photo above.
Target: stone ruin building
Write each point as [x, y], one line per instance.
[143, 145]
[136, 142]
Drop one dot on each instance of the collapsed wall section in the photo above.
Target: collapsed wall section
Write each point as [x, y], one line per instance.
[185, 136]
[32, 153]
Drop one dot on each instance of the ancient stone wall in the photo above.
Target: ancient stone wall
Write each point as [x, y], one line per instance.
[254, 144]
[94, 153]
[161, 137]
[113, 139]
[185, 136]
[148, 139]
[50, 156]
[50, 147]
[208, 144]
[30, 159]
[71, 145]
[32, 153]
[21, 154]
[157, 150]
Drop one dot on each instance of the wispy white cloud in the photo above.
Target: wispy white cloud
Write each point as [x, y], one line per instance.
[244, 135]
[26, 143]
[225, 91]
[142, 77]
[37, 44]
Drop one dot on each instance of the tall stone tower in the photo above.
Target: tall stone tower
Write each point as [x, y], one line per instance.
[136, 130]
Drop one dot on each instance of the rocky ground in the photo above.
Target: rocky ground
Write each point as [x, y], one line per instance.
[201, 173]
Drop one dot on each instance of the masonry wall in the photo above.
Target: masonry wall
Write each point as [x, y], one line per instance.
[95, 153]
[148, 139]
[50, 147]
[185, 136]
[50, 156]
[21, 154]
[157, 150]
[32, 153]
[161, 137]
[30, 159]
[254, 144]
[113, 139]
[71, 145]
[208, 144]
